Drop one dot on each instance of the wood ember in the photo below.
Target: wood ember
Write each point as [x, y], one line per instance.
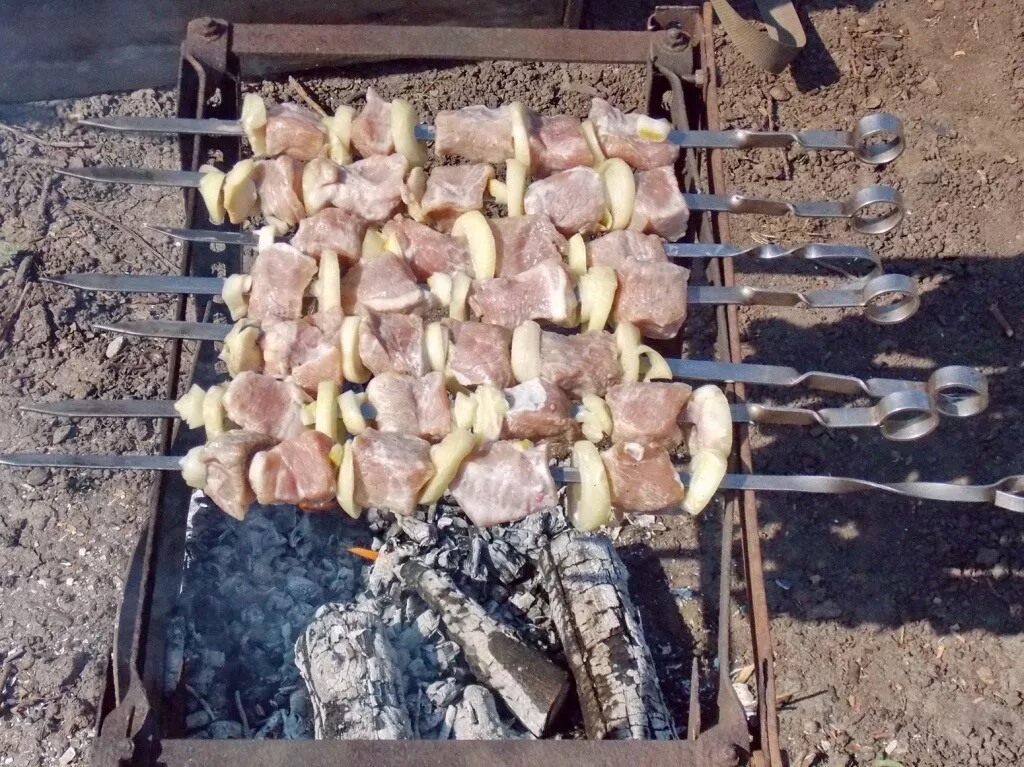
[528, 683]
[476, 717]
[356, 686]
[603, 639]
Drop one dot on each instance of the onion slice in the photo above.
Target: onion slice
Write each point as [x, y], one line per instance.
[339, 134]
[441, 286]
[436, 341]
[213, 411]
[189, 406]
[472, 227]
[464, 410]
[347, 482]
[657, 368]
[520, 134]
[241, 351]
[516, 177]
[235, 294]
[595, 418]
[576, 255]
[350, 407]
[240, 198]
[328, 284]
[590, 134]
[352, 368]
[327, 411]
[627, 339]
[597, 296]
[193, 469]
[619, 192]
[457, 309]
[447, 456]
[254, 123]
[589, 500]
[491, 407]
[403, 133]
[526, 351]
[211, 189]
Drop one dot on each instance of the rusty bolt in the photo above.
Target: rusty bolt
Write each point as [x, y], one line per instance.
[212, 29]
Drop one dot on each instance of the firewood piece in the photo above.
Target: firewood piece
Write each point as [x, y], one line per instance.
[354, 682]
[603, 639]
[531, 686]
[476, 717]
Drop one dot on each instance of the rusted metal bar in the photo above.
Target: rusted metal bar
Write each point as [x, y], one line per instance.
[745, 504]
[364, 42]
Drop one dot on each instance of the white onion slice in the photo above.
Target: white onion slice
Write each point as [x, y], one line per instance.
[458, 309]
[657, 368]
[236, 294]
[652, 129]
[590, 134]
[595, 418]
[498, 190]
[520, 134]
[339, 134]
[526, 351]
[213, 411]
[441, 286]
[327, 412]
[576, 255]
[328, 284]
[211, 189]
[436, 341]
[464, 410]
[597, 296]
[254, 123]
[447, 456]
[265, 237]
[350, 406]
[403, 133]
[516, 178]
[373, 243]
[240, 198]
[707, 468]
[627, 339]
[241, 351]
[347, 483]
[619, 192]
[589, 501]
[352, 368]
[415, 188]
[491, 407]
[472, 227]
[189, 406]
[193, 469]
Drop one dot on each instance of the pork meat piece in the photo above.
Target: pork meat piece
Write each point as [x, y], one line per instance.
[294, 131]
[427, 250]
[525, 241]
[391, 470]
[648, 412]
[617, 249]
[382, 283]
[476, 133]
[280, 277]
[226, 459]
[297, 471]
[653, 297]
[542, 292]
[572, 199]
[453, 190]
[393, 343]
[579, 364]
[480, 354]
[265, 405]
[307, 351]
[539, 410]
[331, 229]
[556, 144]
[409, 405]
[320, 179]
[371, 188]
[660, 207]
[371, 128]
[279, 187]
[502, 482]
[619, 136]
[642, 479]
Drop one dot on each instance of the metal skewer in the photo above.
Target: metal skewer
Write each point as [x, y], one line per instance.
[854, 208]
[885, 298]
[913, 419]
[835, 257]
[956, 391]
[1006, 493]
[877, 138]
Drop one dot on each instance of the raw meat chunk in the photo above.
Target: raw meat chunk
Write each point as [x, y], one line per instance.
[382, 283]
[307, 350]
[619, 136]
[556, 143]
[653, 297]
[542, 292]
[393, 343]
[331, 229]
[476, 133]
[298, 471]
[479, 354]
[642, 479]
[648, 412]
[391, 470]
[525, 241]
[573, 200]
[371, 188]
[264, 405]
[618, 249]
[410, 405]
[371, 128]
[660, 207]
[279, 186]
[539, 410]
[226, 459]
[294, 131]
[280, 276]
[428, 251]
[579, 364]
[453, 190]
[502, 482]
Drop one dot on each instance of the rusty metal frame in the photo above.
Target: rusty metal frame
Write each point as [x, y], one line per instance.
[137, 723]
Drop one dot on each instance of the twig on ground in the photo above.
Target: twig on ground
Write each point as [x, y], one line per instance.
[201, 701]
[1004, 323]
[305, 97]
[42, 141]
[241, 715]
[15, 313]
[83, 208]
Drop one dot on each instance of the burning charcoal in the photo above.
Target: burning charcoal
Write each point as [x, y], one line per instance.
[197, 720]
[508, 563]
[304, 589]
[532, 687]
[420, 532]
[449, 722]
[224, 729]
[271, 726]
[603, 639]
[475, 568]
[417, 668]
[442, 693]
[355, 685]
[523, 600]
[476, 717]
[444, 654]
[296, 721]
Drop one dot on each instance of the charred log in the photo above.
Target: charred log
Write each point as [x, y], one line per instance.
[354, 682]
[476, 717]
[531, 686]
[603, 639]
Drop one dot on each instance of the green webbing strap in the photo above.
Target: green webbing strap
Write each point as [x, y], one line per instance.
[772, 48]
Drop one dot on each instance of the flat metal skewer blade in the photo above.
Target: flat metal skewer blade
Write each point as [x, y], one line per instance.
[185, 331]
[104, 408]
[167, 125]
[98, 461]
[183, 179]
[205, 236]
[140, 283]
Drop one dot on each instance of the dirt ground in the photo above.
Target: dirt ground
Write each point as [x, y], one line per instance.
[898, 626]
